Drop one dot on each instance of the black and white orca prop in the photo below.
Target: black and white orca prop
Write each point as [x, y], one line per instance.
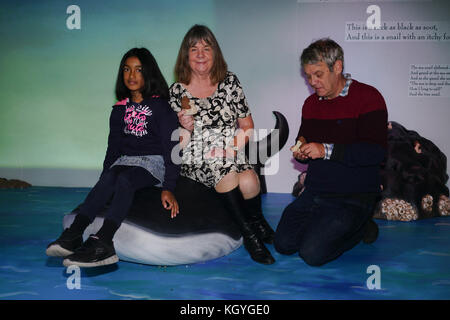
[202, 231]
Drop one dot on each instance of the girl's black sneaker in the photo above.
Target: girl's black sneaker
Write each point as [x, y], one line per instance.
[65, 245]
[93, 253]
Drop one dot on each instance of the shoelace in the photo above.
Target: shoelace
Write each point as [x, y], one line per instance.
[90, 242]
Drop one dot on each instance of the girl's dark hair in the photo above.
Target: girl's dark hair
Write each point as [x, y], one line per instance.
[155, 84]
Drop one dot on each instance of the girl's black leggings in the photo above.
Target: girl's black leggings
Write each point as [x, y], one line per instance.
[120, 183]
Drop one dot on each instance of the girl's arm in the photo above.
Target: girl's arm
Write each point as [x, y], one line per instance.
[115, 130]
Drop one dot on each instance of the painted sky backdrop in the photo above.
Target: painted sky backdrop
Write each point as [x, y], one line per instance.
[58, 84]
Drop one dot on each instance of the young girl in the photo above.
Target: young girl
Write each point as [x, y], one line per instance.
[138, 156]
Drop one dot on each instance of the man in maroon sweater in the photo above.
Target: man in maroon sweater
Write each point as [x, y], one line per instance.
[344, 124]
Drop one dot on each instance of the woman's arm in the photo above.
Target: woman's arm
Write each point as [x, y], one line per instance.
[243, 133]
[241, 138]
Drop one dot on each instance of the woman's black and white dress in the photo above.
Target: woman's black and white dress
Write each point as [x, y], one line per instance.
[215, 125]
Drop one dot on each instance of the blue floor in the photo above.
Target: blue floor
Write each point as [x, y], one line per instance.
[413, 257]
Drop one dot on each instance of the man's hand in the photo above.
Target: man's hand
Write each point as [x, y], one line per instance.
[170, 203]
[311, 150]
[186, 122]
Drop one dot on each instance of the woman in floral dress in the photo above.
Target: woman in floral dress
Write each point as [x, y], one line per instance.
[217, 124]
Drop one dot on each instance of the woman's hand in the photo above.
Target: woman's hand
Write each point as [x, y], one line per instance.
[186, 122]
[170, 203]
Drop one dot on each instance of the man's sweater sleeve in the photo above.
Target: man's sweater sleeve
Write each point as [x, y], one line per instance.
[372, 137]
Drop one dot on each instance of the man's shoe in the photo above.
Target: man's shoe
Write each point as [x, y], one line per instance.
[371, 232]
[93, 253]
[65, 245]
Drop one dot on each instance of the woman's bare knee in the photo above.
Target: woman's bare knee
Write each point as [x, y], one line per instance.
[249, 184]
[228, 182]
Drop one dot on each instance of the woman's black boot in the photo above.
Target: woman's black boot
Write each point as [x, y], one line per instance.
[255, 216]
[233, 203]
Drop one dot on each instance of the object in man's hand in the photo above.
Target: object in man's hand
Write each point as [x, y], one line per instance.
[299, 143]
[189, 106]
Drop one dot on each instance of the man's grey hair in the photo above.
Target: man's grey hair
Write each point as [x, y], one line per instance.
[325, 50]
